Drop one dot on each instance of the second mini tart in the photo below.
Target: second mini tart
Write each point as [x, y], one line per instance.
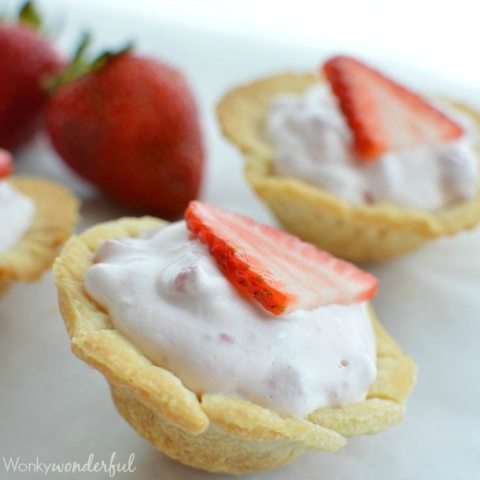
[210, 431]
[355, 232]
[56, 212]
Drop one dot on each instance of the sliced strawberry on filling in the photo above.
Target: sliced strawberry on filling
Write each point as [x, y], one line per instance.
[275, 268]
[382, 114]
[6, 163]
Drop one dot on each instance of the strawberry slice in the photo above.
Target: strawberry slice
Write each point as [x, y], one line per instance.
[275, 268]
[382, 114]
[5, 163]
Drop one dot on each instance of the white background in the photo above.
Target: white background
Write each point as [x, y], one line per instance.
[439, 35]
[55, 407]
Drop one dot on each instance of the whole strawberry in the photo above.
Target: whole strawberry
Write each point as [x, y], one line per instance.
[26, 59]
[130, 126]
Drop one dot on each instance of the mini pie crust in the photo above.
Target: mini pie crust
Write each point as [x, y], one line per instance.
[358, 233]
[56, 212]
[211, 432]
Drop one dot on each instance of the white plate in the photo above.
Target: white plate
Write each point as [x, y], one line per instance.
[54, 407]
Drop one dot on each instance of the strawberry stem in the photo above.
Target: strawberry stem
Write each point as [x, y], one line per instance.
[104, 57]
[79, 53]
[28, 15]
[80, 65]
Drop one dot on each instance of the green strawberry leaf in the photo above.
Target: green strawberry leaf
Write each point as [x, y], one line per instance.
[28, 14]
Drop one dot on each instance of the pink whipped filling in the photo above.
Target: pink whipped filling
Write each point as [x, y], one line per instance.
[167, 296]
[311, 141]
[16, 215]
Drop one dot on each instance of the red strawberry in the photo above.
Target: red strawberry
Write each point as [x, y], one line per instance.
[5, 164]
[275, 268]
[26, 59]
[130, 126]
[382, 114]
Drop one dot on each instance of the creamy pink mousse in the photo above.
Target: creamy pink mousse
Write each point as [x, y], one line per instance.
[166, 294]
[16, 215]
[312, 141]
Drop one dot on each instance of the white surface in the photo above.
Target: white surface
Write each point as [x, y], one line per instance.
[55, 407]
[440, 35]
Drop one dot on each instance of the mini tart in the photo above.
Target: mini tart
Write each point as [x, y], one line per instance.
[56, 212]
[211, 432]
[358, 233]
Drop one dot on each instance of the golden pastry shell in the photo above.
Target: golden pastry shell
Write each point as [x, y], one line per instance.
[56, 211]
[209, 431]
[360, 233]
